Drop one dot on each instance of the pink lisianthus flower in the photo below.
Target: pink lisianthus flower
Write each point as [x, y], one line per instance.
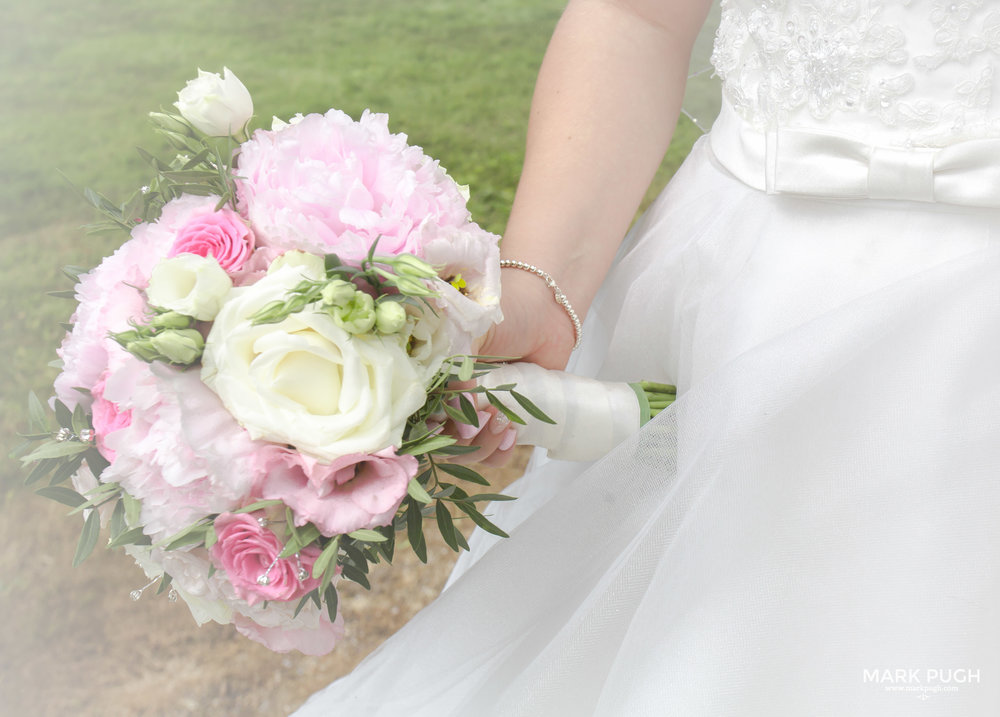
[107, 418]
[311, 633]
[248, 553]
[222, 235]
[353, 492]
[327, 184]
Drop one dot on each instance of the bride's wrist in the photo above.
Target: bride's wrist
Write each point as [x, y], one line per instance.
[547, 305]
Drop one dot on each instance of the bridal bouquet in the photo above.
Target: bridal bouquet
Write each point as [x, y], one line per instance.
[252, 392]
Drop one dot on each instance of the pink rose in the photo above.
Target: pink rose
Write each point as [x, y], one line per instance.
[248, 552]
[220, 234]
[107, 418]
[353, 492]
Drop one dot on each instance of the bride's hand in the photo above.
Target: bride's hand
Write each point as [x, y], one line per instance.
[534, 328]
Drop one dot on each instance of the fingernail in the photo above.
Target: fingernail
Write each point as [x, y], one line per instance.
[508, 440]
[466, 431]
[499, 424]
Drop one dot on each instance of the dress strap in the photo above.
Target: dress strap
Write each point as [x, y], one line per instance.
[812, 162]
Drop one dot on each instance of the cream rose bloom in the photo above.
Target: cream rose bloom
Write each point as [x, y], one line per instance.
[305, 381]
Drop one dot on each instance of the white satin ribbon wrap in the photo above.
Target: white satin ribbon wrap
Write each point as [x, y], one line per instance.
[808, 161]
[591, 417]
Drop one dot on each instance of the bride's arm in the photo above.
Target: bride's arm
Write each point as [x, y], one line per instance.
[605, 106]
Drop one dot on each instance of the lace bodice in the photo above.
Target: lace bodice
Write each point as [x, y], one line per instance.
[902, 73]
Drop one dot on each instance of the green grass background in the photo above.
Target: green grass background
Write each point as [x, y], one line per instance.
[76, 80]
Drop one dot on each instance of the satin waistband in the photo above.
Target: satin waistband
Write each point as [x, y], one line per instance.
[812, 162]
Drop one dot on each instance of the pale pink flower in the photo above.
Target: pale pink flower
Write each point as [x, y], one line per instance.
[182, 454]
[107, 418]
[328, 184]
[352, 492]
[248, 553]
[468, 260]
[110, 296]
[256, 266]
[311, 633]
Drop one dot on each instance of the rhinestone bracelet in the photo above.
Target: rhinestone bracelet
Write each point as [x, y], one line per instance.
[551, 283]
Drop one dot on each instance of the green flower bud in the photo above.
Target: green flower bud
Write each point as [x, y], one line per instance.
[409, 265]
[338, 292]
[171, 123]
[390, 317]
[412, 287]
[357, 316]
[143, 350]
[171, 320]
[182, 347]
[126, 337]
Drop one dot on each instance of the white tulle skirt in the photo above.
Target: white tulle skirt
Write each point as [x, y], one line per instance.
[813, 528]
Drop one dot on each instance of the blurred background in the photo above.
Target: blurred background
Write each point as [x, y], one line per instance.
[76, 81]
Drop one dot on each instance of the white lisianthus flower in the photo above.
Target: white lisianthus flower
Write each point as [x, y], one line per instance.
[189, 572]
[217, 106]
[305, 381]
[189, 284]
[468, 262]
[429, 338]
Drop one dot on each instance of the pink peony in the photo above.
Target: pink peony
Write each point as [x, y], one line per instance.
[222, 235]
[248, 553]
[328, 184]
[182, 454]
[353, 492]
[107, 418]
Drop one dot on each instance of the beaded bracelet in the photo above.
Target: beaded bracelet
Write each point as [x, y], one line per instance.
[551, 283]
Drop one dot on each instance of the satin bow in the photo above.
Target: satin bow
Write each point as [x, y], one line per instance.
[801, 161]
[965, 173]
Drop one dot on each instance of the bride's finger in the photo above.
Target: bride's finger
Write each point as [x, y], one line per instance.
[489, 436]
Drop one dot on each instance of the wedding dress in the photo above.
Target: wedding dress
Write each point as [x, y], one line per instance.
[814, 527]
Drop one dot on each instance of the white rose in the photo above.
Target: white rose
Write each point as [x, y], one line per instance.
[305, 381]
[189, 284]
[217, 106]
